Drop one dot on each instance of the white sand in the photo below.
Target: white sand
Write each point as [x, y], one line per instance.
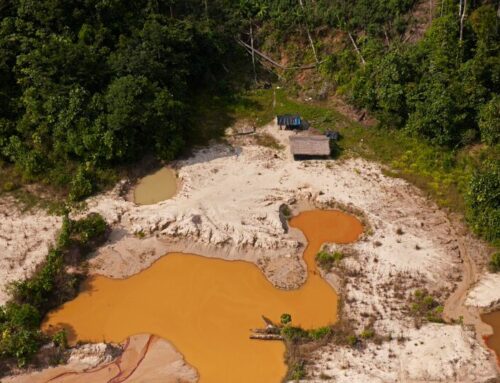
[486, 293]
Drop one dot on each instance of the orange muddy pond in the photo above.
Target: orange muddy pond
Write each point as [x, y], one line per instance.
[206, 307]
[493, 341]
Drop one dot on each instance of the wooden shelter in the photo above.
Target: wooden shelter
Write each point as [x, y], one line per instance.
[310, 146]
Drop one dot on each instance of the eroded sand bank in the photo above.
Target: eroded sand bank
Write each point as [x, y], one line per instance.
[228, 207]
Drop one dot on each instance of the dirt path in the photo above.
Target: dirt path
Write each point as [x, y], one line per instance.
[454, 307]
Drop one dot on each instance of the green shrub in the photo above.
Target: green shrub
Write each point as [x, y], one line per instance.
[285, 318]
[367, 333]
[483, 201]
[64, 238]
[489, 121]
[495, 262]
[327, 260]
[319, 333]
[60, 339]
[352, 340]
[426, 306]
[298, 371]
[82, 185]
[20, 336]
[294, 334]
[89, 228]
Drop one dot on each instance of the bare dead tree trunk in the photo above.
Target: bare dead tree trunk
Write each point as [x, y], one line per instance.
[273, 62]
[253, 52]
[356, 48]
[311, 42]
[386, 37]
[462, 17]
[206, 8]
[430, 10]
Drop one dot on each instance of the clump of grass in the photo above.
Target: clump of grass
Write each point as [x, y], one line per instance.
[352, 340]
[297, 371]
[494, 264]
[425, 307]
[60, 339]
[327, 260]
[286, 211]
[367, 333]
[267, 140]
[285, 319]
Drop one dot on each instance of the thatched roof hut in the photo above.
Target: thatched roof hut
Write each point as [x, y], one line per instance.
[313, 146]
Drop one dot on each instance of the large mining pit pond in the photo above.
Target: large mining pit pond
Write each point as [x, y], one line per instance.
[206, 307]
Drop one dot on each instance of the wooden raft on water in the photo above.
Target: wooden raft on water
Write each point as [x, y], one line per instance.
[270, 332]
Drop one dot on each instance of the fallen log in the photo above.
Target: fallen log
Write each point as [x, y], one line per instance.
[273, 62]
[266, 337]
[269, 330]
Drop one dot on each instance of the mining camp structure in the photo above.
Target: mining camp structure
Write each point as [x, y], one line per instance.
[289, 121]
[309, 146]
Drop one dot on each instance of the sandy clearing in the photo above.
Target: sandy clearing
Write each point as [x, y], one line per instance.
[228, 207]
[25, 238]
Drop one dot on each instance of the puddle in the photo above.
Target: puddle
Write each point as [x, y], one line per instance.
[156, 187]
[206, 307]
[493, 341]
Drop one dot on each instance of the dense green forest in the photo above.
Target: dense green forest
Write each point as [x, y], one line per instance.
[95, 84]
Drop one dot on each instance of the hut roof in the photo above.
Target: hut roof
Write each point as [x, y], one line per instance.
[310, 145]
[289, 119]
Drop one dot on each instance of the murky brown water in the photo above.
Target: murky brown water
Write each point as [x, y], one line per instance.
[493, 341]
[206, 306]
[156, 187]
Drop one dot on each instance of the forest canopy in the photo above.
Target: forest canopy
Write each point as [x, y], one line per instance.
[93, 83]
[89, 85]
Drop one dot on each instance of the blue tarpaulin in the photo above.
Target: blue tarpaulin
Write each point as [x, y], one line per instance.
[289, 120]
